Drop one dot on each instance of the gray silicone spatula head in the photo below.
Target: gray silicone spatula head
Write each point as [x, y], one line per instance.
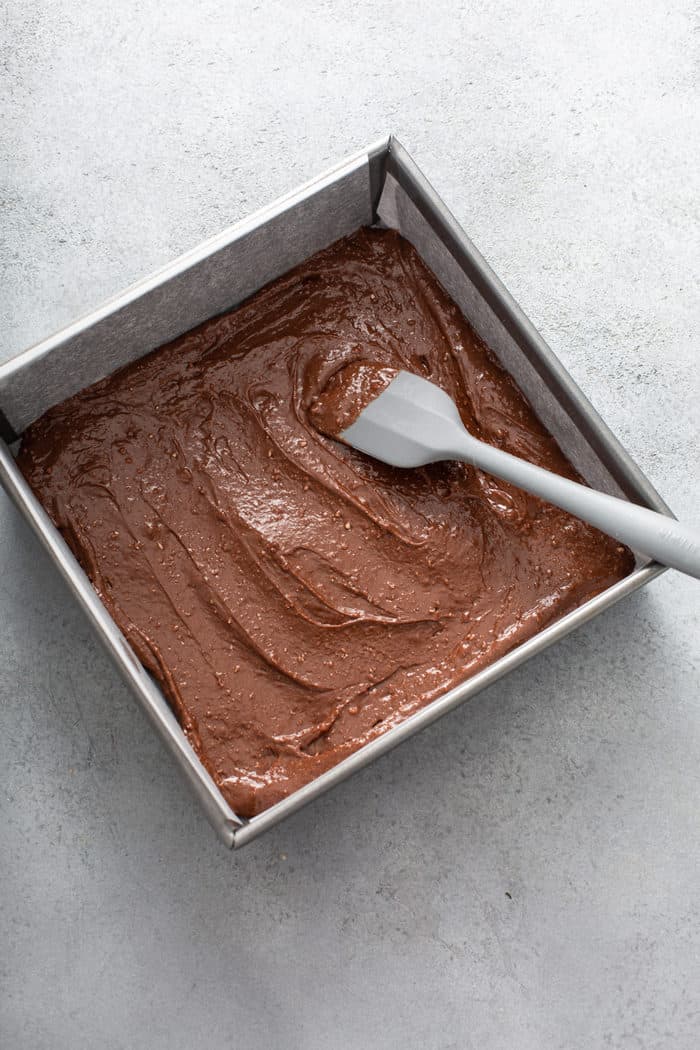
[393, 415]
[406, 421]
[410, 423]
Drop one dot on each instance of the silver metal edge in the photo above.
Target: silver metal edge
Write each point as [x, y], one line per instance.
[384, 155]
[437, 708]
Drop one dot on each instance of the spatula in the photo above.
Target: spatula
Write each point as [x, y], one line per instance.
[413, 422]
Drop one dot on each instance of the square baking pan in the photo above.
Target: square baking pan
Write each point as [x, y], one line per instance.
[382, 186]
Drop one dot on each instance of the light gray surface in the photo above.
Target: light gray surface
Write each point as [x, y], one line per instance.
[562, 137]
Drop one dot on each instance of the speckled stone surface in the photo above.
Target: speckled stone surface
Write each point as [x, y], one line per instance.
[525, 873]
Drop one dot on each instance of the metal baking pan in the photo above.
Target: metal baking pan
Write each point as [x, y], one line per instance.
[380, 185]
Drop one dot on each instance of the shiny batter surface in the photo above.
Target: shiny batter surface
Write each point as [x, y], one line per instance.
[294, 598]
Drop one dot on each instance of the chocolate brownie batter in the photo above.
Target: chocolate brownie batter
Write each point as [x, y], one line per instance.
[294, 598]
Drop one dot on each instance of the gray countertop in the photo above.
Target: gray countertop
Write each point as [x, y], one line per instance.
[524, 874]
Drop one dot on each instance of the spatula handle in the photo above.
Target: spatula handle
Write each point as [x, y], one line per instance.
[665, 539]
